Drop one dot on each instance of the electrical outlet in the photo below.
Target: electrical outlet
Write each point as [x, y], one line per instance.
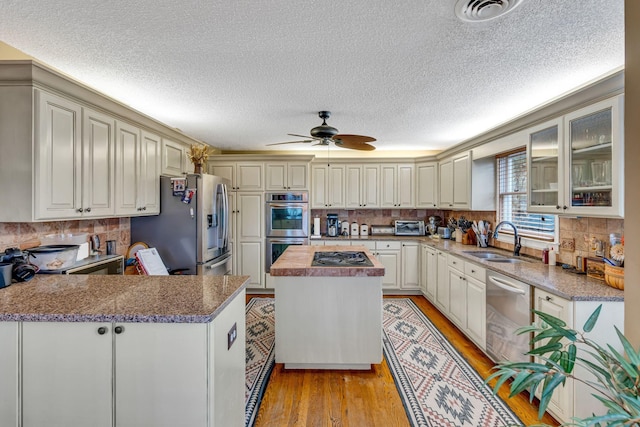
[232, 335]
[568, 244]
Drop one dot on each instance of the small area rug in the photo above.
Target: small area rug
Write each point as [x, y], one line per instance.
[437, 386]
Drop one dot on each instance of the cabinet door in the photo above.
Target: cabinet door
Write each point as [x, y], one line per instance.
[410, 265]
[458, 298]
[150, 174]
[9, 374]
[391, 262]
[353, 196]
[66, 374]
[336, 186]
[58, 157]
[476, 311]
[405, 187]
[446, 184]
[319, 186]
[225, 170]
[544, 156]
[424, 264]
[98, 184]
[370, 196]
[250, 260]
[427, 185]
[462, 182]
[127, 165]
[249, 176]
[298, 176]
[561, 404]
[442, 288]
[174, 158]
[164, 391]
[250, 216]
[388, 174]
[594, 159]
[431, 273]
[276, 176]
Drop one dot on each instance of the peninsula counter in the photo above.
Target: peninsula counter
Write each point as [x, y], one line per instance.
[80, 350]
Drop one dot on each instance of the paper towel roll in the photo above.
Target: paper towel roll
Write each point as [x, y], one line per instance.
[316, 226]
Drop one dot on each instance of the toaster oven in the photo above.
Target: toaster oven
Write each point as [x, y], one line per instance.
[408, 228]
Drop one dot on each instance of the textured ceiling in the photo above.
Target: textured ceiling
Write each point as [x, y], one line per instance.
[241, 74]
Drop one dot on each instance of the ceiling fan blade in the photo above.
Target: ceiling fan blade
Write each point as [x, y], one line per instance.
[292, 142]
[303, 136]
[363, 146]
[354, 138]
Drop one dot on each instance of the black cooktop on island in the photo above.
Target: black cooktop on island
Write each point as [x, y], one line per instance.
[341, 259]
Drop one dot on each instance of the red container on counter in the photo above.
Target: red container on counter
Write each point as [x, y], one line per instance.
[545, 256]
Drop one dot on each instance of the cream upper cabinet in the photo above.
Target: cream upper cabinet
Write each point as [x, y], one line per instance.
[576, 162]
[244, 176]
[327, 186]
[74, 169]
[397, 186]
[362, 186]
[98, 177]
[427, 185]
[174, 158]
[455, 182]
[137, 171]
[287, 176]
[58, 158]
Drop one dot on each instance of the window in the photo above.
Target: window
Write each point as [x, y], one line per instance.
[512, 199]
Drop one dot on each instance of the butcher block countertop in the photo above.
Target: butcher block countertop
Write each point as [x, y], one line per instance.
[296, 261]
[93, 298]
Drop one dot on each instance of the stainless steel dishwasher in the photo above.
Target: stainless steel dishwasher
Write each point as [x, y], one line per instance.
[508, 308]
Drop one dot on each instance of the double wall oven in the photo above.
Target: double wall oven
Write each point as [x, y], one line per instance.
[287, 217]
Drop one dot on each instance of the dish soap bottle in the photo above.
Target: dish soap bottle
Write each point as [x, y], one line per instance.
[552, 257]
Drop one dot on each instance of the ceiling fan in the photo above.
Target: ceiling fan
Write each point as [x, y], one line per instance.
[325, 134]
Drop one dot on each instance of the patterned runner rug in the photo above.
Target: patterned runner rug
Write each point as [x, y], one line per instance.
[260, 353]
[437, 386]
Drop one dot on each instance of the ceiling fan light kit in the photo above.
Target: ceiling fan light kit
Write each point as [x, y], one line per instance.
[325, 134]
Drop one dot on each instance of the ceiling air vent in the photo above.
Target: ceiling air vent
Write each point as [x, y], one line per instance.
[484, 10]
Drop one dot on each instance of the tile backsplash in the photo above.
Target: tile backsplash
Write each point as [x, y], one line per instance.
[26, 235]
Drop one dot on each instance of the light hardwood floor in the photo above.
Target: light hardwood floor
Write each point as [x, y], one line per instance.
[366, 398]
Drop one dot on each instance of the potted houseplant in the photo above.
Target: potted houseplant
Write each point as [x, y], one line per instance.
[616, 377]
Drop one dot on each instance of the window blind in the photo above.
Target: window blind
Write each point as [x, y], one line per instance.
[512, 199]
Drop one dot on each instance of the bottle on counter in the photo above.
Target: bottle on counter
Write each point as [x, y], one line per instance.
[552, 257]
[545, 256]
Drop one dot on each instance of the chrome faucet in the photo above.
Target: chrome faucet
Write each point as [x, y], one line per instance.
[516, 239]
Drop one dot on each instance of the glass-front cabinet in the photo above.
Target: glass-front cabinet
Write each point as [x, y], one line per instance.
[545, 158]
[576, 162]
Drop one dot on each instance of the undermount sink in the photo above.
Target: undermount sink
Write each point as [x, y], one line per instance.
[493, 257]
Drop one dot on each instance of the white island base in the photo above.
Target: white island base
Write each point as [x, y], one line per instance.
[325, 322]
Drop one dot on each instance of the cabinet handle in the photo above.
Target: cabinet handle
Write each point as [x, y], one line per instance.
[88, 210]
[144, 208]
[564, 207]
[102, 330]
[557, 206]
[450, 205]
[473, 271]
[79, 210]
[118, 329]
[548, 298]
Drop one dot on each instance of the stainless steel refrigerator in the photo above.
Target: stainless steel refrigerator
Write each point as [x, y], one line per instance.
[191, 233]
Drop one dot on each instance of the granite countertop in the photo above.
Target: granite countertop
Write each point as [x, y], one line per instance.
[296, 261]
[115, 298]
[555, 280]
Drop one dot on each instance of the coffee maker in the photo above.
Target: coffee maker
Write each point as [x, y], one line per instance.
[333, 225]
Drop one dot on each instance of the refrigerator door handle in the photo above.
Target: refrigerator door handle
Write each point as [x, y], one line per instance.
[225, 214]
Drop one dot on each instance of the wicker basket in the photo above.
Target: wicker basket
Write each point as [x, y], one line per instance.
[614, 276]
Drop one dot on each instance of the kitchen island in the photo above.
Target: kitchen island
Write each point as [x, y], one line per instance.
[329, 315]
[123, 350]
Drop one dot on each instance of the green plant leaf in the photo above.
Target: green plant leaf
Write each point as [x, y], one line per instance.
[591, 321]
[546, 348]
[633, 356]
[550, 320]
[631, 370]
[571, 358]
